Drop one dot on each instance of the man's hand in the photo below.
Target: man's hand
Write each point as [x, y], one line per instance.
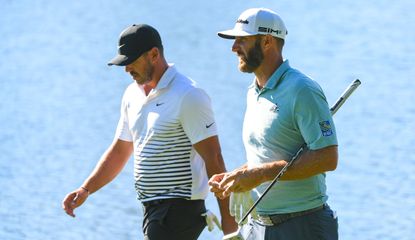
[214, 183]
[74, 200]
[239, 180]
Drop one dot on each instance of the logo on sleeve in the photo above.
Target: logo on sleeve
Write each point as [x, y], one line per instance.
[326, 128]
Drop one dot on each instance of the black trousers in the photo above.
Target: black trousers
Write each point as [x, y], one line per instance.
[173, 219]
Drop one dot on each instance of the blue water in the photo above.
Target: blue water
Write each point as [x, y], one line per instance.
[59, 105]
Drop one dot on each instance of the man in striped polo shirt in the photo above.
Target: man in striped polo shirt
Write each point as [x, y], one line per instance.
[168, 125]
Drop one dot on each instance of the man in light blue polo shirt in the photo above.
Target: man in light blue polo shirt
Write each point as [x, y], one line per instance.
[285, 109]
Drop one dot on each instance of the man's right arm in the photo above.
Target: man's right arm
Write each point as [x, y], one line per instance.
[108, 167]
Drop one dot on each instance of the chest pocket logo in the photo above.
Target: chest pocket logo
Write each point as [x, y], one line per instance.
[275, 108]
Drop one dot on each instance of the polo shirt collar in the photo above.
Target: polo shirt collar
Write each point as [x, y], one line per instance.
[277, 75]
[167, 77]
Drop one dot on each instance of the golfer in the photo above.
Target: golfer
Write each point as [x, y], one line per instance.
[285, 109]
[168, 125]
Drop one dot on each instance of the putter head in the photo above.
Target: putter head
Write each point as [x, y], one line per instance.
[234, 236]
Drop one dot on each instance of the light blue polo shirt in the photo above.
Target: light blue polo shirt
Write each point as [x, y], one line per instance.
[289, 111]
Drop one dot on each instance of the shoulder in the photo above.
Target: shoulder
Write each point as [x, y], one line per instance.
[196, 94]
[299, 83]
[187, 88]
[183, 82]
[129, 91]
[195, 99]
[133, 87]
[133, 95]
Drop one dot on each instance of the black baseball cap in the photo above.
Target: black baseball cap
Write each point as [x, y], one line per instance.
[134, 41]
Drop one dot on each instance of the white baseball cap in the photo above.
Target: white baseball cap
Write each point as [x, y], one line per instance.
[256, 21]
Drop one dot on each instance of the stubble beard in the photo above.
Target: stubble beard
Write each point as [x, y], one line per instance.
[145, 77]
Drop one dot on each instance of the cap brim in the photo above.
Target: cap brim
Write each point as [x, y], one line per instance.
[122, 60]
[231, 34]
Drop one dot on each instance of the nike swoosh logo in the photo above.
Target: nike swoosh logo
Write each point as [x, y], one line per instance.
[208, 126]
[158, 104]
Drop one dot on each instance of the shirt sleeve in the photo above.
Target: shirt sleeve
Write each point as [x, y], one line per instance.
[123, 131]
[197, 117]
[314, 119]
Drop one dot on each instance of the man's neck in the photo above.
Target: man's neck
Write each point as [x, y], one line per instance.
[147, 89]
[264, 72]
[158, 74]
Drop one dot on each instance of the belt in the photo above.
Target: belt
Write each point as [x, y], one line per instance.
[276, 219]
[167, 200]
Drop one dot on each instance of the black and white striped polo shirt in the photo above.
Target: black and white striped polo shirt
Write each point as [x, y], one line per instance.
[163, 126]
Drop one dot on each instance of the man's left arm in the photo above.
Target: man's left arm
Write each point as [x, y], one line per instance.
[309, 163]
[209, 150]
[314, 120]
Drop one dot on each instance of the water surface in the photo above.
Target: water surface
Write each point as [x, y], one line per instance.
[59, 105]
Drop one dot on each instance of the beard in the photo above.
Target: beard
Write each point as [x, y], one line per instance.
[144, 77]
[253, 59]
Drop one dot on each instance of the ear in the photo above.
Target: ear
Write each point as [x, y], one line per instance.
[154, 54]
[268, 41]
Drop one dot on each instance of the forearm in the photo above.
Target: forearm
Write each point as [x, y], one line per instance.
[209, 150]
[215, 165]
[105, 171]
[109, 166]
[308, 164]
[228, 222]
[241, 168]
